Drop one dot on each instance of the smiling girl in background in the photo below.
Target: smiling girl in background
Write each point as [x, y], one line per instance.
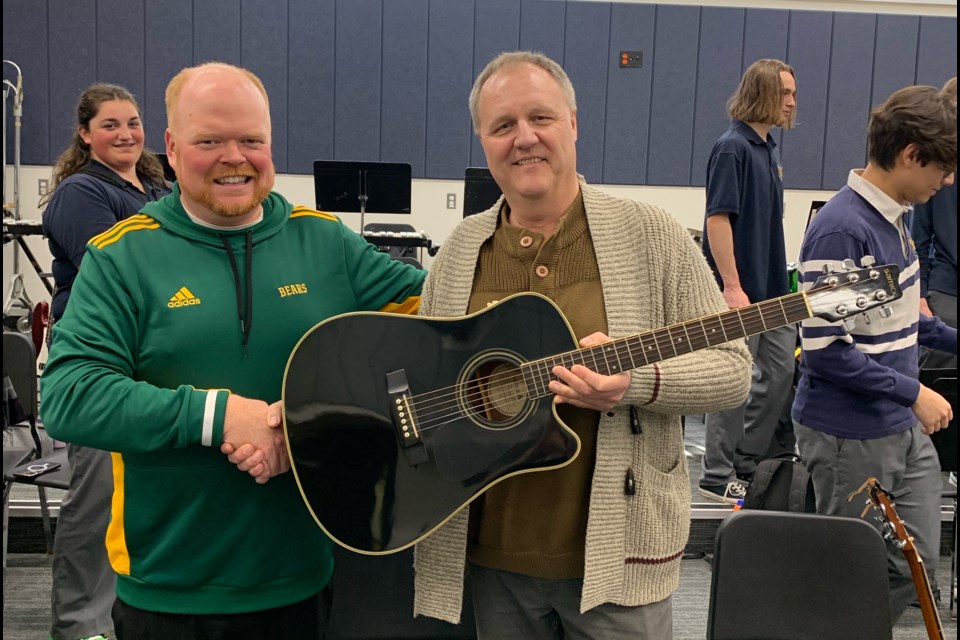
[102, 177]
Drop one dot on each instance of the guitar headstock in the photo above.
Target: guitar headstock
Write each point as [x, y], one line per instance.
[895, 532]
[881, 500]
[840, 294]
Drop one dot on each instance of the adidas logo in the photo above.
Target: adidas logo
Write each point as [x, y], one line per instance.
[183, 298]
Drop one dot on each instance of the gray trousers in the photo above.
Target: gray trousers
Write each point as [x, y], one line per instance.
[839, 466]
[944, 306]
[737, 439]
[84, 584]
[509, 605]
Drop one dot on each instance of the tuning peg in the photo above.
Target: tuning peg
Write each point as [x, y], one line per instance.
[849, 265]
[849, 324]
[885, 311]
[866, 318]
[867, 261]
[828, 267]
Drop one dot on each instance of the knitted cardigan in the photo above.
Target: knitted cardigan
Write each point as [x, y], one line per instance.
[652, 275]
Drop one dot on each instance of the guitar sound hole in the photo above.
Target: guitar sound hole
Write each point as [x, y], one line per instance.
[495, 395]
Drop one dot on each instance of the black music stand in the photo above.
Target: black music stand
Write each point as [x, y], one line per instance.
[944, 382]
[480, 190]
[362, 187]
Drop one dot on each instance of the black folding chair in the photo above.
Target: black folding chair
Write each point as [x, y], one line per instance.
[20, 364]
[792, 576]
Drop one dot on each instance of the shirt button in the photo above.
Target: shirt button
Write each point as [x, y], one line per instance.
[542, 271]
[526, 241]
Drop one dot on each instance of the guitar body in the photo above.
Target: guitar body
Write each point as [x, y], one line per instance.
[365, 484]
[395, 423]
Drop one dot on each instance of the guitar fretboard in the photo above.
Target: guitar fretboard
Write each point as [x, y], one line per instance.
[624, 354]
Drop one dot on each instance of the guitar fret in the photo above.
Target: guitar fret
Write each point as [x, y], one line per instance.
[544, 369]
[607, 348]
[699, 337]
[651, 345]
[529, 380]
[665, 334]
[742, 326]
[722, 329]
[762, 320]
[633, 363]
[675, 342]
[687, 334]
[732, 326]
[783, 311]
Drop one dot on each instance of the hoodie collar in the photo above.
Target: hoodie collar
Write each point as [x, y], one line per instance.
[169, 212]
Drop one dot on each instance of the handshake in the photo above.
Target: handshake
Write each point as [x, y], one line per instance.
[252, 438]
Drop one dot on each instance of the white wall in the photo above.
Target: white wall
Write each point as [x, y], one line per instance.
[429, 213]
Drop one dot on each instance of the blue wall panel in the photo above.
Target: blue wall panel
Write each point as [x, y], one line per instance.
[73, 66]
[718, 74]
[496, 28]
[357, 84]
[765, 36]
[264, 23]
[848, 108]
[311, 82]
[542, 25]
[673, 95]
[25, 44]
[216, 31]
[895, 55]
[937, 50]
[120, 58]
[801, 149]
[403, 120]
[450, 71]
[628, 95]
[389, 79]
[168, 48]
[586, 60]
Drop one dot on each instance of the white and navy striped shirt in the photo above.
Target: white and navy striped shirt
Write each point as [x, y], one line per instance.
[861, 382]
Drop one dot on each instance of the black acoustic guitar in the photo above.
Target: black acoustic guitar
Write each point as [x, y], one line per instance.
[394, 423]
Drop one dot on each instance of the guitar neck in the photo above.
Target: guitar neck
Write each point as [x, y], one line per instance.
[928, 606]
[624, 354]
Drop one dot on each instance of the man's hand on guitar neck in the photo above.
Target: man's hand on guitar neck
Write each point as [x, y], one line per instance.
[582, 387]
[252, 440]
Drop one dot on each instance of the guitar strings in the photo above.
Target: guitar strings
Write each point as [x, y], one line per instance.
[442, 406]
[447, 401]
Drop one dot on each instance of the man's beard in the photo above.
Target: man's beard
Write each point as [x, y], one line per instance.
[206, 198]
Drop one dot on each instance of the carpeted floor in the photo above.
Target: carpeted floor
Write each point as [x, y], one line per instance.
[27, 606]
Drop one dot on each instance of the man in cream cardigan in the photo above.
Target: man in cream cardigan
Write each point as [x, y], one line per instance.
[591, 549]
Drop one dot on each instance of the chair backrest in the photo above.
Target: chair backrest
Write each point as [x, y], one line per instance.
[784, 576]
[20, 364]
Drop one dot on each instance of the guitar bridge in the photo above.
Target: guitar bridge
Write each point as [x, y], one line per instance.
[404, 421]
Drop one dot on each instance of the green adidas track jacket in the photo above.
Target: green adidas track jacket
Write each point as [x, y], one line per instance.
[161, 326]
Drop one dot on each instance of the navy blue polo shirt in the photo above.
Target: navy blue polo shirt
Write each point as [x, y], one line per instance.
[85, 204]
[745, 179]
